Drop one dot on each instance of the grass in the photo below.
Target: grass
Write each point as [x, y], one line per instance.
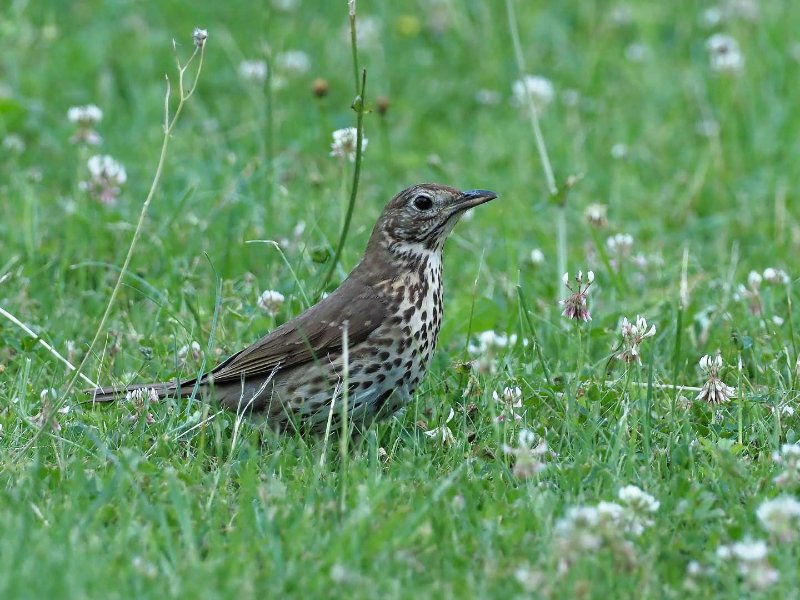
[191, 504]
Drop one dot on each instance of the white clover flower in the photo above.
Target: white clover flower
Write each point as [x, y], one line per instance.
[753, 566]
[85, 115]
[576, 307]
[103, 166]
[596, 215]
[344, 143]
[620, 244]
[638, 499]
[776, 276]
[714, 390]
[192, 350]
[293, 61]
[140, 400]
[13, 144]
[694, 568]
[253, 70]
[144, 394]
[636, 52]
[491, 339]
[780, 517]
[724, 53]
[106, 178]
[488, 346]
[537, 257]
[530, 580]
[751, 293]
[443, 433]
[712, 16]
[610, 514]
[760, 575]
[749, 550]
[639, 505]
[789, 457]
[511, 396]
[754, 279]
[632, 336]
[509, 400]
[199, 37]
[46, 399]
[85, 118]
[270, 301]
[540, 89]
[529, 455]
[577, 530]
[619, 151]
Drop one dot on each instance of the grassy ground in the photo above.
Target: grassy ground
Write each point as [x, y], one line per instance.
[696, 164]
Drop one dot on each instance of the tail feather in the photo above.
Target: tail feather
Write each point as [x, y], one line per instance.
[111, 393]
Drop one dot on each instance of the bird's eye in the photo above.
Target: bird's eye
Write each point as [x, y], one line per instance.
[423, 202]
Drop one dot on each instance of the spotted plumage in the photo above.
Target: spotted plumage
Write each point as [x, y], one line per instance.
[390, 307]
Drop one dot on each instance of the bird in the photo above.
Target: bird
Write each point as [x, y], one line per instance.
[372, 337]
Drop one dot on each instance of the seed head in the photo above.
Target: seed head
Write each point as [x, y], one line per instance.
[199, 37]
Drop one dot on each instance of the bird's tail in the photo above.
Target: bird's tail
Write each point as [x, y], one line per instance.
[162, 390]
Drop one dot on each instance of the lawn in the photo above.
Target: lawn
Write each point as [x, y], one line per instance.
[638, 440]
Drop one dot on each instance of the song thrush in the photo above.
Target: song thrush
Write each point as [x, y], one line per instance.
[390, 307]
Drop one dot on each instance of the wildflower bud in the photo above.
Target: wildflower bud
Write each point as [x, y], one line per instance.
[199, 37]
[590, 276]
[320, 87]
[382, 105]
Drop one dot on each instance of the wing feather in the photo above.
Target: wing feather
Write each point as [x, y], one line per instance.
[311, 336]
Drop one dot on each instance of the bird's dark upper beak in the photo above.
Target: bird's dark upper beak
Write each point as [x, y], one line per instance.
[474, 198]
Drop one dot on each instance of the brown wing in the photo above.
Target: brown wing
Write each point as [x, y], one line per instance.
[311, 336]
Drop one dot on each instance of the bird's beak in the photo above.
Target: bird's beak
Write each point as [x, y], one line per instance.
[474, 198]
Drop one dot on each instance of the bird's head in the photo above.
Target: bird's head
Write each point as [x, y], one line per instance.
[419, 219]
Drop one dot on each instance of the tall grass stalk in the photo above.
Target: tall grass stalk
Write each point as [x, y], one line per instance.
[184, 94]
[541, 148]
[358, 106]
